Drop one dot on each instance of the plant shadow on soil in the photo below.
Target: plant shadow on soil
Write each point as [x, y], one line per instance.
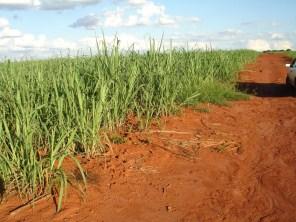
[267, 89]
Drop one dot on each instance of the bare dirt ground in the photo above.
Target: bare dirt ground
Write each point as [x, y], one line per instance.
[233, 163]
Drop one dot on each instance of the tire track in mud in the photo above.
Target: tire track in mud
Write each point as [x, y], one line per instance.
[265, 182]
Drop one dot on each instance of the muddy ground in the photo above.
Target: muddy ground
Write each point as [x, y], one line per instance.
[210, 163]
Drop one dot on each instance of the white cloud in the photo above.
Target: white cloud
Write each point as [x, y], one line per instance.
[258, 44]
[133, 13]
[114, 18]
[16, 44]
[29, 41]
[25, 45]
[150, 13]
[137, 2]
[35, 46]
[45, 4]
[231, 32]
[61, 43]
[8, 32]
[283, 44]
[26, 42]
[149, 9]
[133, 20]
[65, 4]
[89, 22]
[167, 20]
[18, 4]
[264, 44]
[277, 36]
[275, 24]
[3, 23]
[194, 19]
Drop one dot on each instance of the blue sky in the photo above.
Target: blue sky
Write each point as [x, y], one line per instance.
[42, 28]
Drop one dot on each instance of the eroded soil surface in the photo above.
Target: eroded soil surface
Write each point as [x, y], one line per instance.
[233, 163]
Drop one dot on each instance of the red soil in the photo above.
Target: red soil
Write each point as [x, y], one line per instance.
[235, 163]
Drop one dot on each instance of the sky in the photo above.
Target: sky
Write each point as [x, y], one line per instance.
[45, 28]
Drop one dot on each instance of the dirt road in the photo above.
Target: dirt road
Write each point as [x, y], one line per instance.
[233, 163]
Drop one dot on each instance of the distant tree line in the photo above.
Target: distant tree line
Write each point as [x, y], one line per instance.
[279, 50]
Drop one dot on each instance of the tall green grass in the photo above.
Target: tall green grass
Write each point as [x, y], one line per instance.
[291, 54]
[54, 109]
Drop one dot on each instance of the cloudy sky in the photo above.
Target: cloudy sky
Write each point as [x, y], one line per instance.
[42, 28]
